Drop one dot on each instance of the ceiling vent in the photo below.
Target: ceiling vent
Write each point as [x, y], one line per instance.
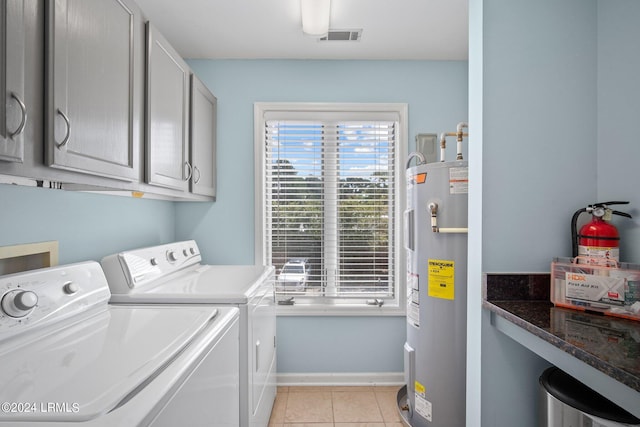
[342, 35]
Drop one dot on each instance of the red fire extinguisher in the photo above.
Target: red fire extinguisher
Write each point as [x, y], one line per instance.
[598, 240]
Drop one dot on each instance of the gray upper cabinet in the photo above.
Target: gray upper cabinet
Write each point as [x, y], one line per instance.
[13, 111]
[95, 78]
[203, 139]
[167, 118]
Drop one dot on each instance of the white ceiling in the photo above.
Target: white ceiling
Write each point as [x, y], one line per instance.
[392, 29]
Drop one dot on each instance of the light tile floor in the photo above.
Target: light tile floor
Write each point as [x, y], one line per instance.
[336, 407]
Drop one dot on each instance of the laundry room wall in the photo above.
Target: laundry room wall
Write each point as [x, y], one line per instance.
[557, 96]
[618, 92]
[436, 92]
[538, 165]
[87, 226]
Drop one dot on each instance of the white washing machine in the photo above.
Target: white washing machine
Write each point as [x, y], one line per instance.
[67, 357]
[173, 274]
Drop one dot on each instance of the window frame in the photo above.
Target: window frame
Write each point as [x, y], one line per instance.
[398, 112]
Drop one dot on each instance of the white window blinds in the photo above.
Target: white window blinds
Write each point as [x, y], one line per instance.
[329, 208]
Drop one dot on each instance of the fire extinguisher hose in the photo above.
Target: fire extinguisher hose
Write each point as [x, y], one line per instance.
[574, 232]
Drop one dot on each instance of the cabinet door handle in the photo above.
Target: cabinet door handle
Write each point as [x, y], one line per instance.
[196, 179]
[189, 171]
[23, 110]
[68, 134]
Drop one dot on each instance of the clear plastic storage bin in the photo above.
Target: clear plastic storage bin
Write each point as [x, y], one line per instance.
[613, 290]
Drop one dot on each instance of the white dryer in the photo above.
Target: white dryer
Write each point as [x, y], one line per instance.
[67, 357]
[173, 274]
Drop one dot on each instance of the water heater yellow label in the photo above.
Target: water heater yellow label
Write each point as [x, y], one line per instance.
[441, 279]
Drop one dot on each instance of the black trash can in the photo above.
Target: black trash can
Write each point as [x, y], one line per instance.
[566, 402]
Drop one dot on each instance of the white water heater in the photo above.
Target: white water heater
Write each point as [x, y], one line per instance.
[436, 246]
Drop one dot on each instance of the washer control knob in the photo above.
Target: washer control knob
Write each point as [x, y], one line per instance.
[153, 261]
[171, 256]
[70, 288]
[18, 303]
[26, 300]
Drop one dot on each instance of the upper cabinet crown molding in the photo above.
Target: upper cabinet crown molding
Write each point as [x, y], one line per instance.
[94, 87]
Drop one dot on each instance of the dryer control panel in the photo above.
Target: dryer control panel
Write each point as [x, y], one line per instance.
[136, 268]
[36, 298]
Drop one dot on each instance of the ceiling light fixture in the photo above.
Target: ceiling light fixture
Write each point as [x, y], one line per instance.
[315, 17]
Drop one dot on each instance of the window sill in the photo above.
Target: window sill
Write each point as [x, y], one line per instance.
[339, 310]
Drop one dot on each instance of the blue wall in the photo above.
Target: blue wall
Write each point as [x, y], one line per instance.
[538, 139]
[618, 113]
[437, 96]
[87, 226]
[539, 148]
[349, 344]
[558, 92]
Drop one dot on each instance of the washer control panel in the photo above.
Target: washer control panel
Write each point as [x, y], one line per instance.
[135, 268]
[38, 297]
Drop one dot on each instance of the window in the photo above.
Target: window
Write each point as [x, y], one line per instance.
[329, 189]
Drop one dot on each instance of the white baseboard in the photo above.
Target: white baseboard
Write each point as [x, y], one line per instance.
[341, 379]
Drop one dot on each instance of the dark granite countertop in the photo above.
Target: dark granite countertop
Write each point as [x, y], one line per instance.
[609, 344]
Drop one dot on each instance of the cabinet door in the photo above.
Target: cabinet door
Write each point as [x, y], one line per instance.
[13, 111]
[167, 130]
[94, 76]
[203, 139]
